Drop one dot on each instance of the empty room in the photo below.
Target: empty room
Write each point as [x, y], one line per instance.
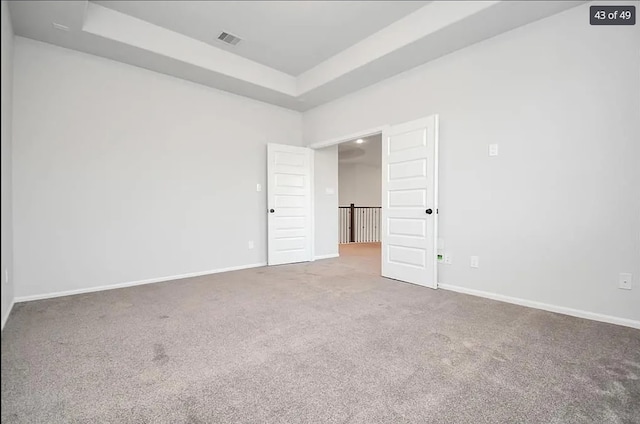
[320, 212]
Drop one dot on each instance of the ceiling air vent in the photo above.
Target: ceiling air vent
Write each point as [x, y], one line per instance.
[228, 38]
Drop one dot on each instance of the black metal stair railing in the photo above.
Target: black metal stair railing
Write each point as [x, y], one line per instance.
[359, 224]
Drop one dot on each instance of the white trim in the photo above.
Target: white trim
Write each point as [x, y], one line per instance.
[545, 306]
[342, 139]
[329, 256]
[134, 283]
[312, 182]
[6, 317]
[436, 201]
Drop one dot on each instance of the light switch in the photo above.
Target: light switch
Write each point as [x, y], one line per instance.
[258, 187]
[493, 150]
[329, 190]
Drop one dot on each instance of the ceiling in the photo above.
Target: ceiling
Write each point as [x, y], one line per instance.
[289, 36]
[294, 54]
[368, 153]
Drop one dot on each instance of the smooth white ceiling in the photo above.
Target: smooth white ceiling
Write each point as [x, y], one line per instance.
[368, 153]
[347, 45]
[290, 36]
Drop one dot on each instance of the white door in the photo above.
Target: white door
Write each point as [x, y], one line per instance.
[289, 204]
[410, 201]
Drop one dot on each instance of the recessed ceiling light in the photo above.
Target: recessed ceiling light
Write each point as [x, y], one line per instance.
[60, 26]
[359, 141]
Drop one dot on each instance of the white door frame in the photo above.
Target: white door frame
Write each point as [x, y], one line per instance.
[328, 143]
[383, 129]
[342, 139]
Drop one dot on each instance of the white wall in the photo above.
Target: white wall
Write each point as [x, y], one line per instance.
[7, 214]
[122, 174]
[360, 184]
[326, 201]
[556, 216]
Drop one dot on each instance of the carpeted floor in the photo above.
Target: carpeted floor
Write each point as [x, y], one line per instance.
[325, 342]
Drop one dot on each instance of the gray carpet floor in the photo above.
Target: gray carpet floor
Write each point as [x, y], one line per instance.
[324, 342]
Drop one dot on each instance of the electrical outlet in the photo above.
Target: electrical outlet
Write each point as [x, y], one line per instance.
[250, 244]
[475, 262]
[625, 281]
[448, 259]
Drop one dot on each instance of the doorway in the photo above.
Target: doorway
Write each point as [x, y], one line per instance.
[409, 198]
[408, 220]
[360, 196]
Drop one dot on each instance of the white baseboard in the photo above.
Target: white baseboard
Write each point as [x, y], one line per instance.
[545, 306]
[329, 256]
[6, 316]
[133, 283]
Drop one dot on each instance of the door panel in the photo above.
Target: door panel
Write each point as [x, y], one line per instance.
[409, 192]
[289, 197]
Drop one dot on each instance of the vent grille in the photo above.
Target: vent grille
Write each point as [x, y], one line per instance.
[228, 38]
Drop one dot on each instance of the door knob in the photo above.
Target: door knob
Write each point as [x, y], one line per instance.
[272, 210]
[429, 211]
